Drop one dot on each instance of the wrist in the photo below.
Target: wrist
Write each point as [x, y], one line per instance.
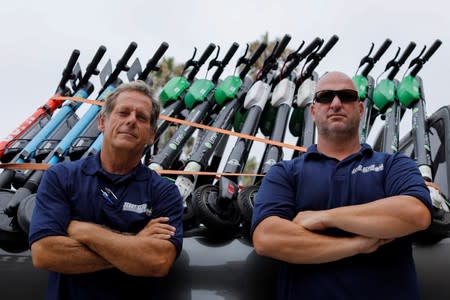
[81, 231]
[329, 217]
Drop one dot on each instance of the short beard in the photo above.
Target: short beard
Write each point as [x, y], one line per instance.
[340, 134]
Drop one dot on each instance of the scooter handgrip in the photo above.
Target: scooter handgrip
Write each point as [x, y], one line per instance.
[282, 46]
[406, 53]
[382, 50]
[208, 51]
[230, 53]
[330, 44]
[437, 43]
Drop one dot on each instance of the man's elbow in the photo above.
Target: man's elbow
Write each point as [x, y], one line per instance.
[260, 243]
[38, 256]
[421, 217]
[162, 267]
[424, 220]
[156, 267]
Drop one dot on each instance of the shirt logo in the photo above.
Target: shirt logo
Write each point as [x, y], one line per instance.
[139, 209]
[367, 169]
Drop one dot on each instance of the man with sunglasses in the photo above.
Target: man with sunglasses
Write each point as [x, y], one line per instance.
[340, 217]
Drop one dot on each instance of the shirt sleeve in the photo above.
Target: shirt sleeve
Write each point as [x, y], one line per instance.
[276, 195]
[170, 205]
[403, 178]
[51, 214]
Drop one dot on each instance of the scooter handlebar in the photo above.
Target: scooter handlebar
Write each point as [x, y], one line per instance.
[310, 48]
[371, 61]
[406, 53]
[382, 50]
[282, 46]
[208, 51]
[437, 43]
[120, 66]
[92, 67]
[248, 63]
[67, 72]
[126, 56]
[230, 53]
[298, 57]
[330, 44]
[321, 54]
[257, 54]
[151, 64]
[397, 64]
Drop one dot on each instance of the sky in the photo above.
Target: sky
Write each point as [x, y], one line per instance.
[37, 37]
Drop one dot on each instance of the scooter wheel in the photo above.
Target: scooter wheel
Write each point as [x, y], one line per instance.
[224, 218]
[12, 238]
[25, 211]
[246, 201]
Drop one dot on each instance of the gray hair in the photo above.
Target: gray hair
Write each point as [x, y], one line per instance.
[138, 86]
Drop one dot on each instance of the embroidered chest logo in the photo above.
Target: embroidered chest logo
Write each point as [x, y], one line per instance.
[367, 169]
[141, 208]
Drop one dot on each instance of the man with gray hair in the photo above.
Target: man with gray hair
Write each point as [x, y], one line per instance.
[104, 225]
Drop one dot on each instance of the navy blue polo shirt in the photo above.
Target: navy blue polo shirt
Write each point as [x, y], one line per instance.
[83, 191]
[317, 182]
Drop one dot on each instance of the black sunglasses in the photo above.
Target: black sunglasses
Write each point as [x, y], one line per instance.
[327, 96]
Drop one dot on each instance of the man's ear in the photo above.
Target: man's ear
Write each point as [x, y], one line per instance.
[101, 122]
[312, 109]
[361, 109]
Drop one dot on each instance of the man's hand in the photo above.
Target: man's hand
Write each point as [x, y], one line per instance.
[317, 221]
[312, 220]
[76, 228]
[368, 245]
[158, 228]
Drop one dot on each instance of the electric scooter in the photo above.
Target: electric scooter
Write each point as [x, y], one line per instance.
[63, 120]
[215, 205]
[10, 200]
[91, 131]
[230, 96]
[411, 95]
[386, 101]
[274, 154]
[172, 96]
[200, 101]
[365, 84]
[17, 139]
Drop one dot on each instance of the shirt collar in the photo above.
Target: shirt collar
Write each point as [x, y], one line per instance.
[312, 152]
[92, 166]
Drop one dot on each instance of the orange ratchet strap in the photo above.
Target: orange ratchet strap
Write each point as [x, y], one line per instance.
[35, 166]
[198, 125]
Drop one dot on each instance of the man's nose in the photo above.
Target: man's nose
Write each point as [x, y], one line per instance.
[131, 119]
[336, 102]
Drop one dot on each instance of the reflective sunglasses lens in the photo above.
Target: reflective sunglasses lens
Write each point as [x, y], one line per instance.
[325, 97]
[347, 95]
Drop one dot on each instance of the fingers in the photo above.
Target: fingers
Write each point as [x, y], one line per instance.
[73, 227]
[311, 220]
[384, 241]
[158, 228]
[159, 220]
[369, 245]
[161, 236]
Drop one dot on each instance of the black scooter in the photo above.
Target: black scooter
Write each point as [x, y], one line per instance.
[215, 205]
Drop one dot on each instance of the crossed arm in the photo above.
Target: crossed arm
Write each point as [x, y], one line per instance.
[373, 224]
[90, 247]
